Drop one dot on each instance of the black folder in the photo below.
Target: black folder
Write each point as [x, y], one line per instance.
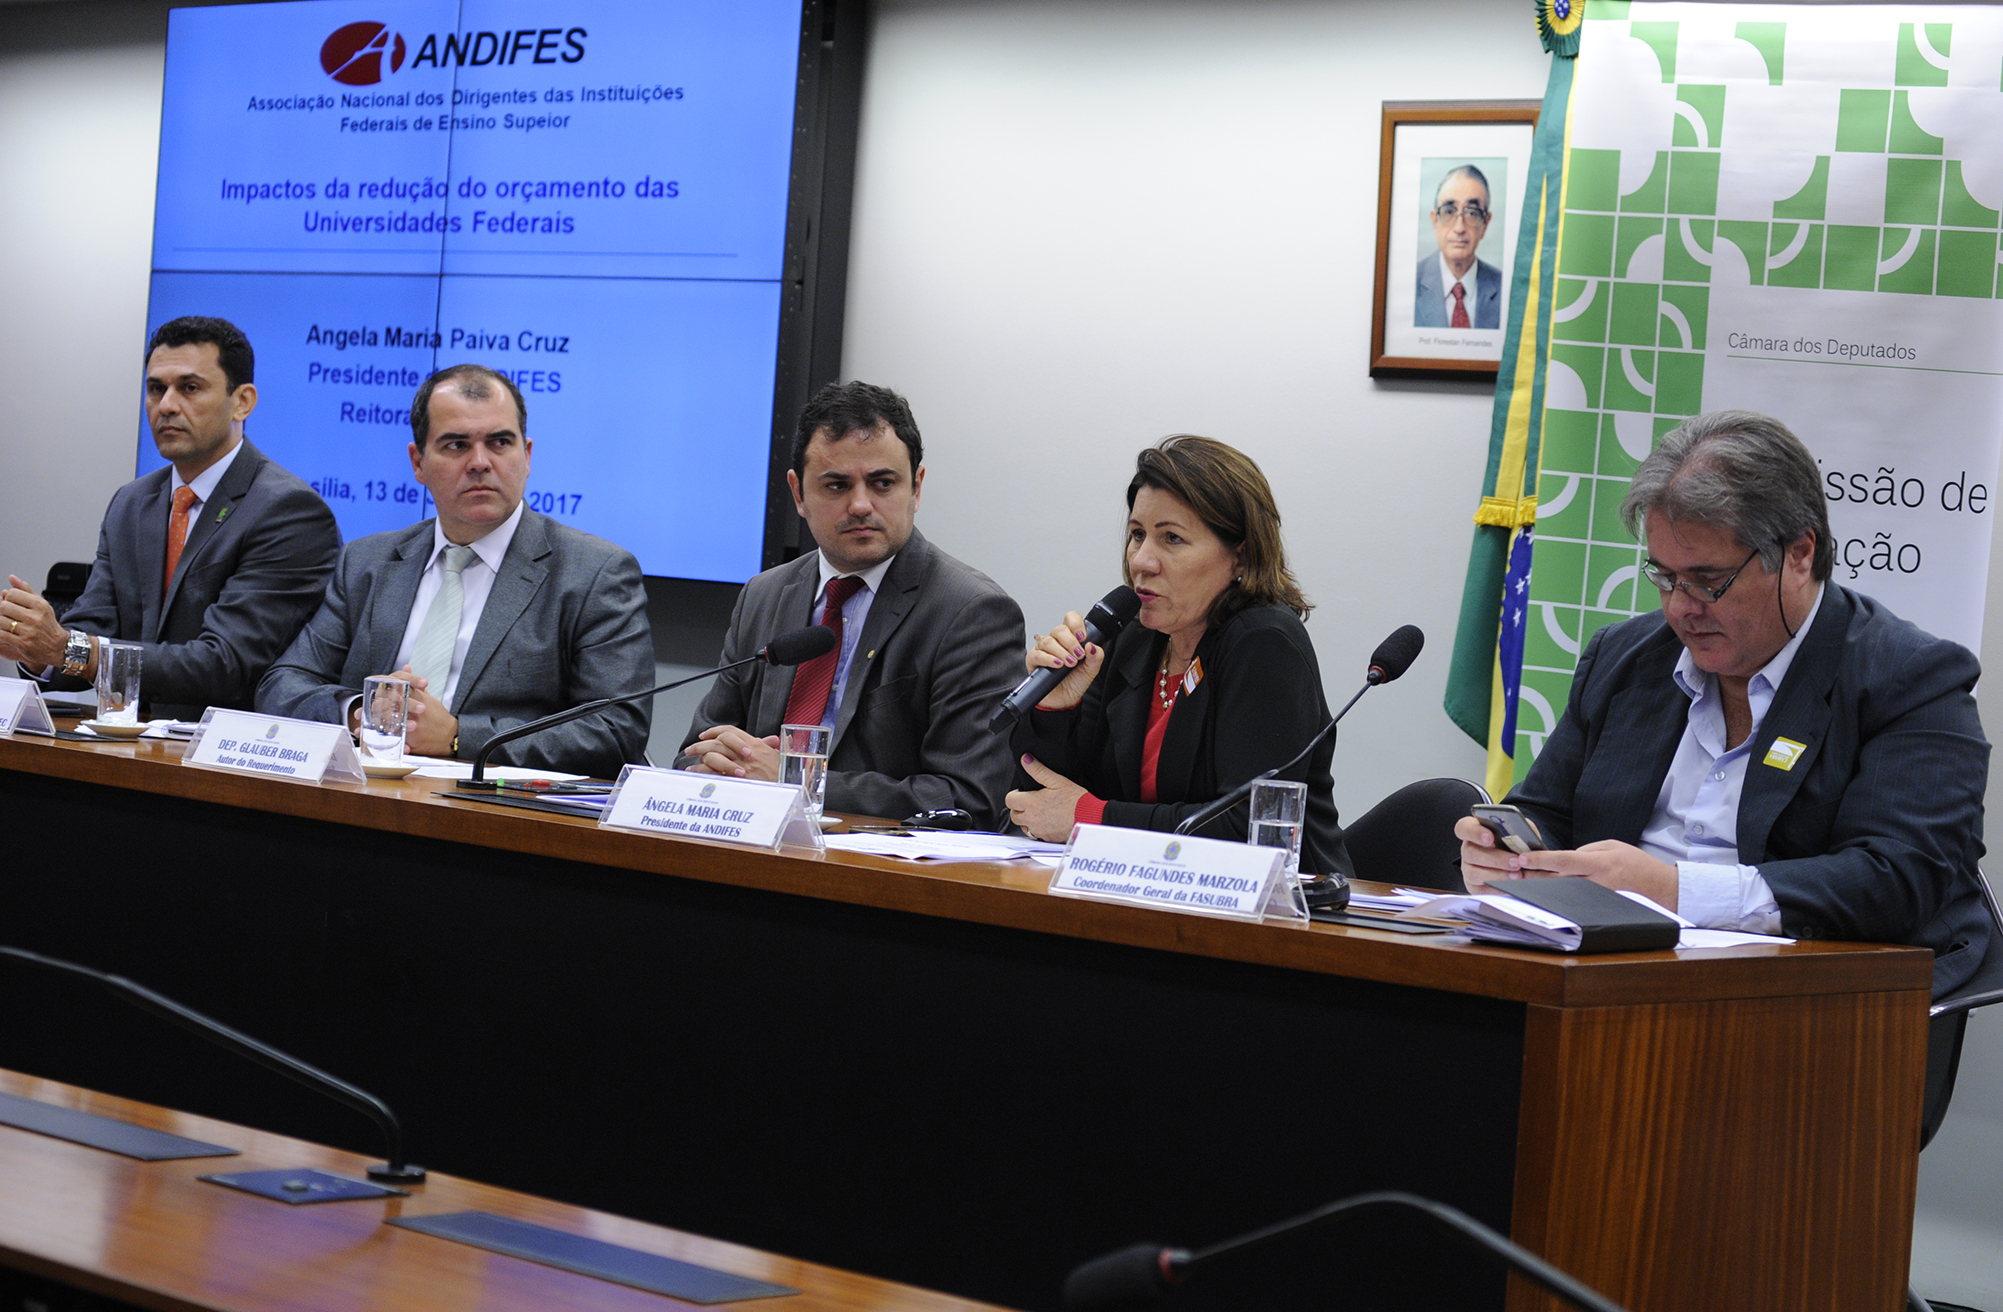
[1607, 921]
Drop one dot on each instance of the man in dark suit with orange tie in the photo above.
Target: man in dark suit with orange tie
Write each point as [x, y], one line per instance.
[211, 564]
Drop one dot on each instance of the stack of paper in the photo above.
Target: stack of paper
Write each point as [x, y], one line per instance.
[1499, 918]
[1403, 899]
[939, 845]
[434, 768]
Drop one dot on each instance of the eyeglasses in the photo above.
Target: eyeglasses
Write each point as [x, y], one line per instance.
[1666, 582]
[1448, 211]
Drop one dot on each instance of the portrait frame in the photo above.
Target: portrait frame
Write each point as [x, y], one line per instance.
[1420, 143]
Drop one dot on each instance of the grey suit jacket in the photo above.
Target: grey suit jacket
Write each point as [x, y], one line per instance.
[1874, 831]
[942, 646]
[566, 623]
[253, 568]
[1484, 310]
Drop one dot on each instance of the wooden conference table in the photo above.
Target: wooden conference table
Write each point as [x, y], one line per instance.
[945, 1076]
[153, 1235]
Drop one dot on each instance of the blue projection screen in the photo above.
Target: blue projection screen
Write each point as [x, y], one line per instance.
[587, 195]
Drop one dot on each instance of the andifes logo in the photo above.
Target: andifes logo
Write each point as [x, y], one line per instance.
[353, 55]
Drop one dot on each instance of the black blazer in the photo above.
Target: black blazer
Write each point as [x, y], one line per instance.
[1258, 704]
[1875, 832]
[251, 573]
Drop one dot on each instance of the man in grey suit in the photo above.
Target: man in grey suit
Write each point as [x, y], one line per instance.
[210, 564]
[1770, 752]
[928, 646]
[1446, 296]
[495, 614]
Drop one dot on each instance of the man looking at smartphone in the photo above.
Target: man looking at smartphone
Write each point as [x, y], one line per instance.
[1771, 751]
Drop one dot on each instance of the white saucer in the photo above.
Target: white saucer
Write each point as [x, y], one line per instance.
[103, 730]
[389, 769]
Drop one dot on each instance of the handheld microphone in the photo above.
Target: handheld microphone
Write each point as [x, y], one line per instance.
[1392, 658]
[796, 647]
[1136, 1276]
[395, 1169]
[1103, 623]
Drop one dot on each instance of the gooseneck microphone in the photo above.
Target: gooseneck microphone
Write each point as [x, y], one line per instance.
[1392, 658]
[1138, 1276]
[395, 1169]
[793, 648]
[1103, 623]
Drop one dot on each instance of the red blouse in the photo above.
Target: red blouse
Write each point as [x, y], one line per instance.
[1092, 810]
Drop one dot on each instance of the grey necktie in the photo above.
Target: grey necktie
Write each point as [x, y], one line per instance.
[431, 659]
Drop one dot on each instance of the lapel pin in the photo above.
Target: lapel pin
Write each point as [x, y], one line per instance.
[871, 656]
[1784, 753]
[222, 514]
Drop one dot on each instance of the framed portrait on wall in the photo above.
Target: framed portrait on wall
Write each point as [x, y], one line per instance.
[1450, 188]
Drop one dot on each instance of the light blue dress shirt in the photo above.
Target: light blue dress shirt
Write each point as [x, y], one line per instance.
[1696, 819]
[854, 614]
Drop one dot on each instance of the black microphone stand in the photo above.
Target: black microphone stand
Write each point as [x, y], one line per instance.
[1211, 810]
[1136, 1276]
[481, 783]
[395, 1170]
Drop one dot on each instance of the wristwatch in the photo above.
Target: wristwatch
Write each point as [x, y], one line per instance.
[76, 652]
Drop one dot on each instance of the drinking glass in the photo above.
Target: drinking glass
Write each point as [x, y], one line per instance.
[118, 682]
[385, 714]
[803, 761]
[1279, 813]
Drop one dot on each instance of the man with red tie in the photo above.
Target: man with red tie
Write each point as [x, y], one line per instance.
[212, 564]
[928, 646]
[1456, 288]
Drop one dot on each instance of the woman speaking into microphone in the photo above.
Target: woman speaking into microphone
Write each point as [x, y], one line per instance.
[1216, 683]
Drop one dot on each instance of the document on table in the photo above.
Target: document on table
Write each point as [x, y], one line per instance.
[435, 768]
[937, 845]
[1499, 918]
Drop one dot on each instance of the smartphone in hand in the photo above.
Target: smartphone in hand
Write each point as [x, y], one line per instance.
[1513, 829]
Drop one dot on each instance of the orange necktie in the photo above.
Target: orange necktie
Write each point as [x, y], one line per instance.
[177, 531]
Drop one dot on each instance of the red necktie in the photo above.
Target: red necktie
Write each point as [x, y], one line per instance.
[1459, 293]
[177, 531]
[812, 682]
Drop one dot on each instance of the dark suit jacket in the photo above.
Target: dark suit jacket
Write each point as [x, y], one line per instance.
[942, 646]
[1875, 832]
[566, 623]
[1258, 704]
[1484, 308]
[253, 568]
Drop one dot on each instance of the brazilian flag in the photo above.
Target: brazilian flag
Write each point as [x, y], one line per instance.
[1487, 667]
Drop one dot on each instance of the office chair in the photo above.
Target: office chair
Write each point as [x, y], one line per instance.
[1408, 838]
[65, 584]
[1947, 1024]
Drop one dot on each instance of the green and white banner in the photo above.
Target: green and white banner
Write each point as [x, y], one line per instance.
[1791, 209]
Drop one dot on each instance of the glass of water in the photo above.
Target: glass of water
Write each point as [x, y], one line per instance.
[117, 682]
[1279, 812]
[385, 714]
[803, 761]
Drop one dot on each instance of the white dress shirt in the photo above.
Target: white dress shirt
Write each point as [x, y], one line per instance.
[1468, 282]
[1696, 820]
[204, 484]
[854, 613]
[477, 580]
